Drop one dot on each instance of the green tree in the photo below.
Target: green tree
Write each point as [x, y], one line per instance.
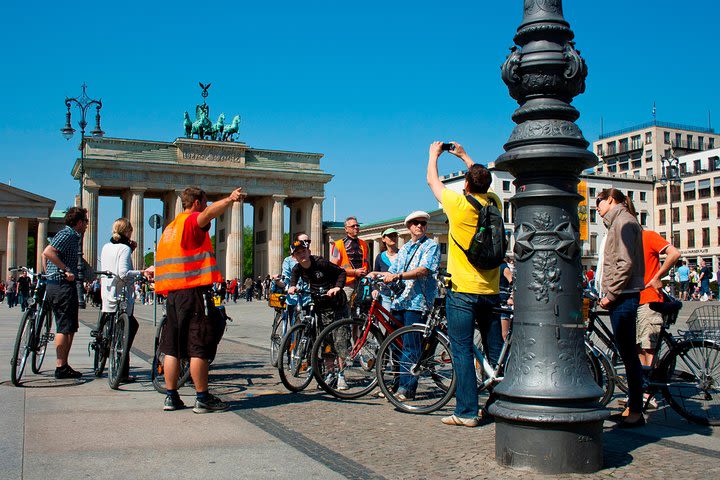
[247, 251]
[30, 260]
[149, 259]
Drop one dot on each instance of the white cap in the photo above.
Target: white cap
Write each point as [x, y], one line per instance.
[417, 215]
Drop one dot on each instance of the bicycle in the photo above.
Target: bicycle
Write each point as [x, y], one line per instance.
[157, 368]
[34, 330]
[349, 347]
[685, 370]
[295, 362]
[112, 338]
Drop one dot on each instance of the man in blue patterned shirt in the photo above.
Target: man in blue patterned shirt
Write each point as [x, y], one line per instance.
[416, 265]
[62, 254]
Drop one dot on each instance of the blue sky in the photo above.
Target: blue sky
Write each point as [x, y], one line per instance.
[368, 84]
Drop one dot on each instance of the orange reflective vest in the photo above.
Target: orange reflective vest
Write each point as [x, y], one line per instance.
[340, 258]
[176, 267]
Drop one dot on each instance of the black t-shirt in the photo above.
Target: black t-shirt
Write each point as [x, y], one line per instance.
[24, 286]
[708, 274]
[320, 274]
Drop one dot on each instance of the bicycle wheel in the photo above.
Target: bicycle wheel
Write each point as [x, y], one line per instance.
[103, 333]
[23, 346]
[691, 373]
[602, 371]
[294, 363]
[429, 372]
[118, 350]
[276, 337]
[157, 370]
[336, 354]
[43, 323]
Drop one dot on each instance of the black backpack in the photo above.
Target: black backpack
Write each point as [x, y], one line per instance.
[489, 243]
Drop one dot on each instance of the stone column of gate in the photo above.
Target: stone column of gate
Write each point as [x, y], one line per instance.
[377, 248]
[12, 242]
[137, 219]
[41, 242]
[234, 244]
[316, 232]
[90, 241]
[275, 242]
[178, 202]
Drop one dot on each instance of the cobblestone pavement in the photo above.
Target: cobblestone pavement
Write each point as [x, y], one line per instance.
[367, 438]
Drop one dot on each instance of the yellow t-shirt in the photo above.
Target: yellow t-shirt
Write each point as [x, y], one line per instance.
[462, 218]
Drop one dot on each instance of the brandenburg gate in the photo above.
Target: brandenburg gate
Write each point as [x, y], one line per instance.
[137, 169]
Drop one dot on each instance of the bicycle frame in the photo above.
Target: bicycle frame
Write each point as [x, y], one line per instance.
[377, 314]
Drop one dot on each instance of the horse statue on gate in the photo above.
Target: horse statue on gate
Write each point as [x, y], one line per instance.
[188, 125]
[234, 128]
[218, 128]
[202, 127]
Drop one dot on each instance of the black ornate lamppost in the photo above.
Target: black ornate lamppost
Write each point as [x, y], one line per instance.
[547, 415]
[83, 103]
[671, 176]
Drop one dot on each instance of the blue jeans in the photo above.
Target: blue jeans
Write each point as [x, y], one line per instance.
[464, 310]
[704, 287]
[410, 351]
[623, 317]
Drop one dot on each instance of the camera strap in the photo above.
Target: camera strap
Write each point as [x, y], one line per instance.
[417, 247]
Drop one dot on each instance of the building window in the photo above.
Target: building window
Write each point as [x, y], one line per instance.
[592, 191]
[704, 188]
[593, 215]
[701, 143]
[506, 212]
[690, 213]
[624, 166]
[643, 219]
[705, 211]
[643, 196]
[506, 186]
[676, 238]
[675, 193]
[648, 156]
[691, 238]
[716, 186]
[718, 209]
[661, 195]
[599, 150]
[714, 164]
[662, 220]
[678, 140]
[689, 141]
[648, 138]
[666, 137]
[623, 145]
[706, 237]
[649, 172]
[631, 194]
[675, 217]
[711, 143]
[696, 166]
[635, 142]
[593, 244]
[611, 148]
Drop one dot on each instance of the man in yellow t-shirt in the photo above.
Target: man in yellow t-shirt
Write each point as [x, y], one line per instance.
[474, 292]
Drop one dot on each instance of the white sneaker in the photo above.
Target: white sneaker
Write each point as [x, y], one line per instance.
[341, 383]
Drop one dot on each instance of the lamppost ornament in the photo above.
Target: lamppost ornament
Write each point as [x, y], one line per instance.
[548, 418]
[83, 104]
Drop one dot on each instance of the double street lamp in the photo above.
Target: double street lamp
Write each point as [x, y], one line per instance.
[671, 176]
[83, 103]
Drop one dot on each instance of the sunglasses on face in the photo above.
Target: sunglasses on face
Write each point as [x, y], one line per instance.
[422, 223]
[598, 201]
[357, 225]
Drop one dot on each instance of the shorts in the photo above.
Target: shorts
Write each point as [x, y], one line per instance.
[684, 285]
[64, 304]
[188, 331]
[648, 327]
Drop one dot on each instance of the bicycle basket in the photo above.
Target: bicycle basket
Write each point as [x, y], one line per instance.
[277, 300]
[706, 320]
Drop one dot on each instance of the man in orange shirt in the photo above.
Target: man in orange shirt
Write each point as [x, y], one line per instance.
[648, 320]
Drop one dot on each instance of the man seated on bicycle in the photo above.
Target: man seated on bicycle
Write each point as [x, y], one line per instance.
[116, 257]
[282, 281]
[321, 274]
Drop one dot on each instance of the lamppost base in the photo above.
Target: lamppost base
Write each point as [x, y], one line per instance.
[548, 447]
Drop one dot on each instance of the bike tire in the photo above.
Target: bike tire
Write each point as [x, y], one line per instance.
[436, 379]
[102, 344]
[691, 376]
[118, 350]
[603, 373]
[157, 370]
[336, 342]
[43, 324]
[23, 346]
[294, 362]
[276, 337]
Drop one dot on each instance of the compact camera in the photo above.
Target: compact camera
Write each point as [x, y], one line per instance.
[446, 147]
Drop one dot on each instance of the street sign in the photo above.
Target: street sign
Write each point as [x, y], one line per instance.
[156, 221]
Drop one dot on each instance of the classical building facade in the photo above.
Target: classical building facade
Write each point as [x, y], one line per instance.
[22, 215]
[138, 169]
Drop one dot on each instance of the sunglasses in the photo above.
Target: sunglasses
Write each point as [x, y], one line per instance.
[422, 223]
[598, 201]
[357, 225]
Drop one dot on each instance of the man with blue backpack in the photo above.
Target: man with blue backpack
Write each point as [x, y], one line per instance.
[476, 248]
